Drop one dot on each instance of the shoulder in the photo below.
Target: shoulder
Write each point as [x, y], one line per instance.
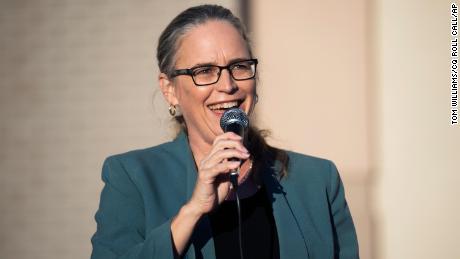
[303, 161]
[140, 165]
[304, 168]
[137, 157]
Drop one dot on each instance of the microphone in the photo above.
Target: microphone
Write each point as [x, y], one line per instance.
[234, 120]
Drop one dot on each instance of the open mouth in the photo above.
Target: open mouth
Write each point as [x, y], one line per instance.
[222, 107]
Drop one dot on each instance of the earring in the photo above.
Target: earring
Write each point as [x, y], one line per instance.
[256, 99]
[172, 110]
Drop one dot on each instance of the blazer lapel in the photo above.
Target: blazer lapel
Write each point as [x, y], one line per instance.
[202, 245]
[291, 240]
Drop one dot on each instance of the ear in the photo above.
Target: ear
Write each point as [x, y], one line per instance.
[167, 88]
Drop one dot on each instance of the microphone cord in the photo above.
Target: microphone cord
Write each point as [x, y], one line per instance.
[234, 181]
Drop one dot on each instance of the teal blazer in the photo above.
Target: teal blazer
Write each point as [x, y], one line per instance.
[144, 190]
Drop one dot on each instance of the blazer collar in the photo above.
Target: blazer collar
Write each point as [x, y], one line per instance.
[291, 240]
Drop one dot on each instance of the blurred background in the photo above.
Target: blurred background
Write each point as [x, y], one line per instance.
[363, 83]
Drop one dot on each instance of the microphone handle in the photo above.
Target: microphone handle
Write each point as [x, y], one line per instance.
[237, 170]
[236, 128]
[239, 130]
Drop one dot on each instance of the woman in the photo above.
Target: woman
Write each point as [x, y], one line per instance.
[176, 200]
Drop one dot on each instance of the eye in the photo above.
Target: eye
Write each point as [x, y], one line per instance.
[201, 71]
[242, 66]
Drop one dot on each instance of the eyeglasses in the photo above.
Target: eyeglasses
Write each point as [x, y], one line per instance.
[210, 74]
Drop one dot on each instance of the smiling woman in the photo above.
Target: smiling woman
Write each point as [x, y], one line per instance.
[175, 199]
[204, 51]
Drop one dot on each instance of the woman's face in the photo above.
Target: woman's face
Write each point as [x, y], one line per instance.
[216, 43]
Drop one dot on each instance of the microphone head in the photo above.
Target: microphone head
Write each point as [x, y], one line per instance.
[234, 118]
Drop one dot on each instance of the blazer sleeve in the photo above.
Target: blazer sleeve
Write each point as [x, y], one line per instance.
[345, 240]
[121, 220]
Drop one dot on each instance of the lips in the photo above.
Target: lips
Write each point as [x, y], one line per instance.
[223, 106]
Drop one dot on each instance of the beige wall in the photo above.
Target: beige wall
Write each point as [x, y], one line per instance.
[417, 194]
[366, 84]
[76, 81]
[314, 89]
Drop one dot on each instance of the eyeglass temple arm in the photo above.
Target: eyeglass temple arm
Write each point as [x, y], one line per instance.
[179, 72]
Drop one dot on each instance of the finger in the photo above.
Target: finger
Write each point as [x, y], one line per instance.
[223, 141]
[224, 167]
[209, 175]
[228, 143]
[222, 157]
[227, 135]
[224, 154]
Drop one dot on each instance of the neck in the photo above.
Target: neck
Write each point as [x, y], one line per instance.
[200, 148]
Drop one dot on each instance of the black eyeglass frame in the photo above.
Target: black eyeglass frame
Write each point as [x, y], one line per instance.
[189, 71]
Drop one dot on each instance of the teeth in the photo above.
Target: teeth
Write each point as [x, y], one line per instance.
[223, 105]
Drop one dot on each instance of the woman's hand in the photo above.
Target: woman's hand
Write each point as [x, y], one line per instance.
[211, 187]
[213, 182]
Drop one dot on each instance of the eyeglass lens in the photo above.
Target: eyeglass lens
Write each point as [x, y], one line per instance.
[210, 74]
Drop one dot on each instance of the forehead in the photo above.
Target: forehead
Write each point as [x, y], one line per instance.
[212, 42]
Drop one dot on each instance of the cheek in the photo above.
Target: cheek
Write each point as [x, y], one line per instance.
[250, 88]
[182, 91]
[191, 97]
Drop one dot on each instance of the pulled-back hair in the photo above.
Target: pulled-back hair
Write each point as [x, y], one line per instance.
[168, 45]
[188, 19]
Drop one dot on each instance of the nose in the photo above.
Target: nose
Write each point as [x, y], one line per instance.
[226, 83]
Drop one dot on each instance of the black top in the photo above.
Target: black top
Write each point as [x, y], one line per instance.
[260, 239]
